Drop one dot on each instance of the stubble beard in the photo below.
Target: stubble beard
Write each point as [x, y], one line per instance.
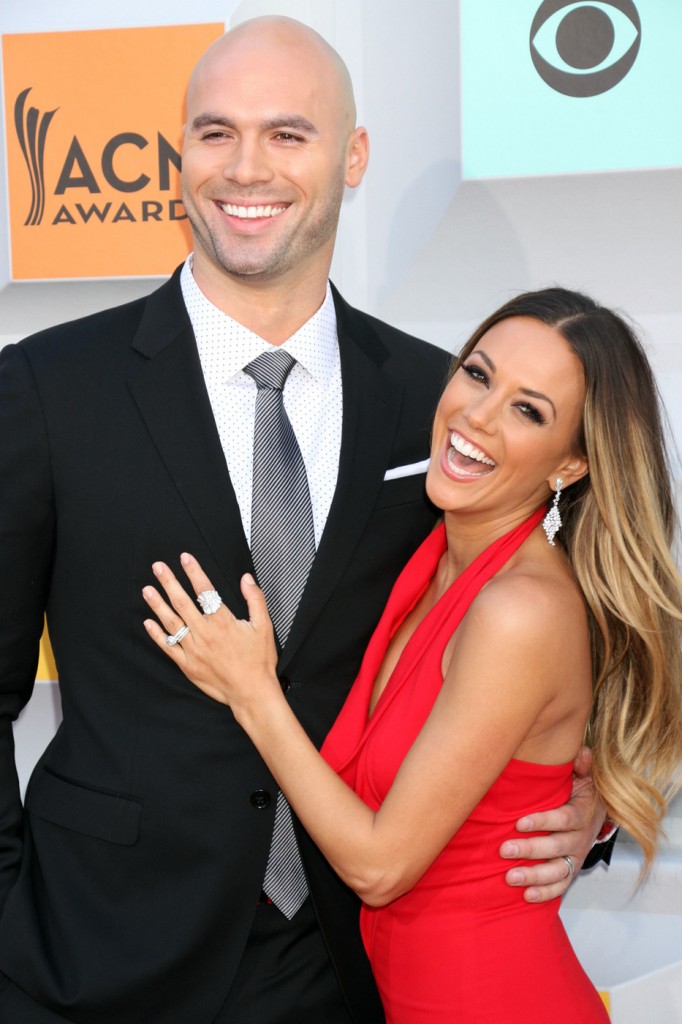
[288, 252]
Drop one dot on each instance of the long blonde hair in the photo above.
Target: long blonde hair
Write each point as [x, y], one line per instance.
[619, 526]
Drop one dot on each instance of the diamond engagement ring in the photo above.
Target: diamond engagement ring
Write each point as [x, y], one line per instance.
[171, 641]
[209, 601]
[571, 866]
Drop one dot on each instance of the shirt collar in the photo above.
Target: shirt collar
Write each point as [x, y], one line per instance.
[314, 345]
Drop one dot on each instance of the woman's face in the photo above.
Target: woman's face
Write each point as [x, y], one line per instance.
[506, 425]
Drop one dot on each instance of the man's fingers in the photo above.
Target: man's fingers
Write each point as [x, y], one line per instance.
[556, 830]
[542, 881]
[582, 766]
[569, 818]
[548, 847]
[553, 872]
[546, 893]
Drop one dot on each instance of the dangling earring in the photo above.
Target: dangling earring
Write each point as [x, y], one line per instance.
[552, 521]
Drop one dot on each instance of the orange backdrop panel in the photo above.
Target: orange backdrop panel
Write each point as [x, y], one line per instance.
[94, 124]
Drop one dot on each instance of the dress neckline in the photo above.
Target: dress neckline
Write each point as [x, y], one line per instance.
[429, 639]
[467, 585]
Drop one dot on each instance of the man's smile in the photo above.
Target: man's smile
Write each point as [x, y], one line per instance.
[252, 212]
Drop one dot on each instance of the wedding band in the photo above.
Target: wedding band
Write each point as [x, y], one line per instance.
[171, 641]
[209, 601]
[571, 866]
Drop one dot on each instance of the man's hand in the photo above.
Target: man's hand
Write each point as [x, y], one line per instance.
[572, 830]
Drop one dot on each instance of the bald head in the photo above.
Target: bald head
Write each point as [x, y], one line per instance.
[270, 145]
[281, 47]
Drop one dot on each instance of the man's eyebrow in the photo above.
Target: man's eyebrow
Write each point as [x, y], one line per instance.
[205, 120]
[279, 121]
[296, 121]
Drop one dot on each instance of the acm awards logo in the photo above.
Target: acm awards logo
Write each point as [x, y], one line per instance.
[584, 49]
[81, 170]
[93, 122]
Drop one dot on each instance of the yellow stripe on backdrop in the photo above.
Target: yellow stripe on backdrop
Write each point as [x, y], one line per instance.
[606, 1000]
[47, 670]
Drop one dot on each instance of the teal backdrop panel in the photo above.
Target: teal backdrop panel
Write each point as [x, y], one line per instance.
[558, 86]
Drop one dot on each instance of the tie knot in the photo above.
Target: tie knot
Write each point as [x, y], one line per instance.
[271, 369]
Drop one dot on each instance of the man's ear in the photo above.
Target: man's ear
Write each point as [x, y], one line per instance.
[357, 157]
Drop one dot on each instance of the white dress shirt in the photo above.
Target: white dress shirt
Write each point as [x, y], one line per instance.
[312, 394]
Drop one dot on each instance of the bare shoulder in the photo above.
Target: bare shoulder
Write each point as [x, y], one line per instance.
[526, 605]
[518, 667]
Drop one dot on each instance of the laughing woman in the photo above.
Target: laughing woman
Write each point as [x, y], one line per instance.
[505, 642]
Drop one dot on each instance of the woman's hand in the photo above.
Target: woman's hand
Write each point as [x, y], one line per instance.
[232, 660]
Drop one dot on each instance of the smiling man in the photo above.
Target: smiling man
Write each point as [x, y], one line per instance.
[266, 159]
[245, 413]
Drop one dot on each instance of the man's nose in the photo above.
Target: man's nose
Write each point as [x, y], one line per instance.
[248, 163]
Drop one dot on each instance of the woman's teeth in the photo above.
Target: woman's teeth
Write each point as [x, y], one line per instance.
[469, 450]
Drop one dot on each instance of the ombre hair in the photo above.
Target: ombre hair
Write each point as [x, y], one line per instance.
[619, 527]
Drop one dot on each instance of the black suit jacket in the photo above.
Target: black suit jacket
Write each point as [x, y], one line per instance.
[130, 880]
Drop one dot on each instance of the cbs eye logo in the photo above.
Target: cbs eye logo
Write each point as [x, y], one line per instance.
[584, 49]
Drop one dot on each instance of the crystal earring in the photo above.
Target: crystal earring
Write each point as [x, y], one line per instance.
[552, 521]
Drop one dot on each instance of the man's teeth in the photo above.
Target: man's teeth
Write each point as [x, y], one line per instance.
[468, 449]
[252, 212]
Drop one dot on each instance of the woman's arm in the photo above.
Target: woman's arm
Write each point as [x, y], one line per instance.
[497, 686]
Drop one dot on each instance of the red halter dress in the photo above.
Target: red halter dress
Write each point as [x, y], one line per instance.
[462, 945]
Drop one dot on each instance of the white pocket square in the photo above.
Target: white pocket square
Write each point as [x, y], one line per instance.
[412, 470]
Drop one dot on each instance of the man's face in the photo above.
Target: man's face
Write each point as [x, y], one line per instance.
[265, 160]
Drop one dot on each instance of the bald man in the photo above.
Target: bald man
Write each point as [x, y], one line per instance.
[133, 881]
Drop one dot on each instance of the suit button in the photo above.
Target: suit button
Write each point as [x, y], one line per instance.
[285, 683]
[260, 799]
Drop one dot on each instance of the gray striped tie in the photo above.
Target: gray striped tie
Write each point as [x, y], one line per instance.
[283, 548]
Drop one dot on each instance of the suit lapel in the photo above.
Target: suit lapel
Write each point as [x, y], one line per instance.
[170, 393]
[371, 404]
[171, 396]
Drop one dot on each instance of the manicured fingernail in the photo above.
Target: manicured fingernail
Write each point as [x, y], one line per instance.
[248, 578]
[509, 850]
[532, 895]
[515, 877]
[148, 593]
[525, 824]
[185, 559]
[157, 568]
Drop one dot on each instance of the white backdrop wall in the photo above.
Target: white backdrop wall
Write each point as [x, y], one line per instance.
[433, 254]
